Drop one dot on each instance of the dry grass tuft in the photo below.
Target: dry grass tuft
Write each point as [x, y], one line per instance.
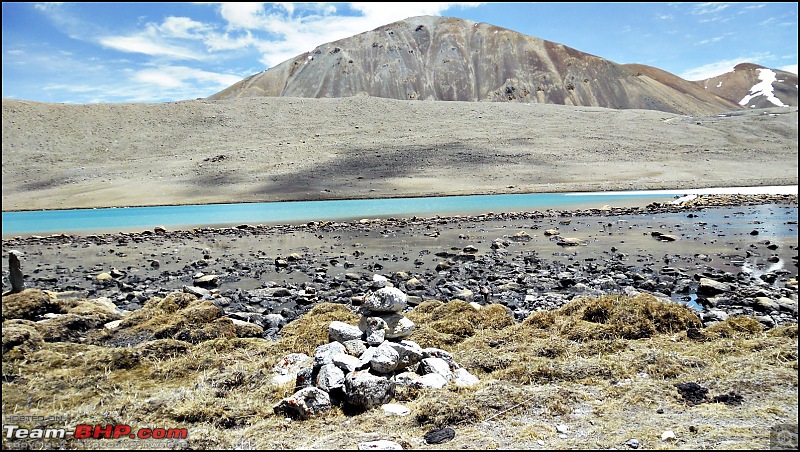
[310, 331]
[616, 316]
[177, 316]
[31, 304]
[735, 328]
[789, 331]
[20, 337]
[452, 322]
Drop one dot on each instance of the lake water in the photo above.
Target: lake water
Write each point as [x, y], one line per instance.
[188, 216]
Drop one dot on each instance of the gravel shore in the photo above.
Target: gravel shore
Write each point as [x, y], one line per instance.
[528, 261]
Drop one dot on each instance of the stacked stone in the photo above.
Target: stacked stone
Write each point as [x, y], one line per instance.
[363, 365]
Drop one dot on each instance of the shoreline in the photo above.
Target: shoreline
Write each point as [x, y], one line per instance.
[745, 190]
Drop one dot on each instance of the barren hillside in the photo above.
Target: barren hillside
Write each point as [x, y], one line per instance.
[450, 59]
[274, 149]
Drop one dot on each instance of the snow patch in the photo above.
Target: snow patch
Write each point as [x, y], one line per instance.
[763, 88]
[719, 85]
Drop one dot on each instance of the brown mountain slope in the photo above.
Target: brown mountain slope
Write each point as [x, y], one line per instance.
[450, 59]
[754, 86]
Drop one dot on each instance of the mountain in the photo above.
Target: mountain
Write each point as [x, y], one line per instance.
[754, 86]
[450, 59]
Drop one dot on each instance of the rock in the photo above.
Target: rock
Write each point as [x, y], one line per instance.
[440, 435]
[787, 304]
[765, 304]
[366, 391]
[409, 353]
[710, 287]
[381, 444]
[521, 236]
[330, 377]
[394, 409]
[303, 403]
[430, 381]
[632, 443]
[571, 241]
[15, 272]
[668, 435]
[398, 326]
[207, 281]
[198, 292]
[355, 347]
[347, 363]
[437, 366]
[463, 379]
[368, 324]
[324, 353]
[463, 294]
[113, 324]
[385, 359]
[667, 237]
[387, 299]
[286, 369]
[342, 332]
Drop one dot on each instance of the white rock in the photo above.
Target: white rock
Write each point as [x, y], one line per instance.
[669, 435]
[381, 444]
[341, 331]
[462, 378]
[394, 409]
[387, 299]
[385, 359]
[286, 369]
[436, 366]
[431, 381]
[347, 363]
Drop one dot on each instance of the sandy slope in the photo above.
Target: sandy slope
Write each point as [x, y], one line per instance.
[270, 149]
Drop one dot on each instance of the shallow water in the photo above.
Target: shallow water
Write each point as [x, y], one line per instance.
[139, 218]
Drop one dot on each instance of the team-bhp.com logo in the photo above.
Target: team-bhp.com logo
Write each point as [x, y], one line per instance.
[86, 431]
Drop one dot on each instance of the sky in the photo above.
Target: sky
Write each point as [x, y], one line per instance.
[118, 52]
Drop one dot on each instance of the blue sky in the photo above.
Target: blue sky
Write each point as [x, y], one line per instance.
[163, 52]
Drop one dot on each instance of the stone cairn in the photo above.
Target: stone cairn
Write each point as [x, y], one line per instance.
[363, 365]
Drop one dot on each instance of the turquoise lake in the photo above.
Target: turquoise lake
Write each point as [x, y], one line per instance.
[188, 216]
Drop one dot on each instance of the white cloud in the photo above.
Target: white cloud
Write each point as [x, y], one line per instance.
[182, 27]
[717, 68]
[246, 15]
[293, 32]
[145, 45]
[789, 68]
[70, 88]
[714, 39]
[45, 5]
[179, 76]
[224, 41]
[709, 8]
